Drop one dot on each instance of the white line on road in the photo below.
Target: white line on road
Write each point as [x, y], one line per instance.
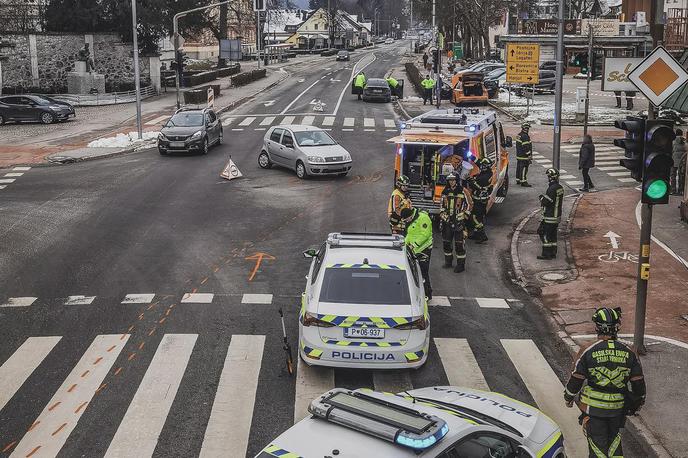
[347, 130]
[7, 180]
[227, 121]
[354, 71]
[267, 121]
[492, 303]
[288, 120]
[14, 174]
[138, 299]
[459, 363]
[21, 169]
[308, 120]
[311, 382]
[138, 432]
[439, 301]
[298, 97]
[157, 120]
[22, 363]
[256, 299]
[618, 174]
[349, 122]
[247, 121]
[61, 415]
[626, 180]
[230, 419]
[659, 242]
[390, 123]
[574, 183]
[328, 121]
[237, 130]
[567, 177]
[612, 168]
[197, 298]
[368, 122]
[79, 300]
[19, 302]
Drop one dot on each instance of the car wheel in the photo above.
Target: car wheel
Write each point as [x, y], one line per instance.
[301, 170]
[388, 99]
[264, 160]
[2, 120]
[205, 146]
[162, 152]
[47, 118]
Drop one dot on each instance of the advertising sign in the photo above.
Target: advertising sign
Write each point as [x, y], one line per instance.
[547, 26]
[601, 27]
[615, 73]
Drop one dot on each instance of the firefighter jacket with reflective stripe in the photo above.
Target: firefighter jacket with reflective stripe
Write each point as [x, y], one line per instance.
[608, 366]
[455, 205]
[427, 83]
[481, 186]
[397, 203]
[360, 80]
[551, 203]
[419, 232]
[524, 147]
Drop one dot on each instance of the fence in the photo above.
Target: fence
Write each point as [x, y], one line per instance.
[109, 98]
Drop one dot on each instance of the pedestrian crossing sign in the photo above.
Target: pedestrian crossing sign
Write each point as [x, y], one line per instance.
[231, 171]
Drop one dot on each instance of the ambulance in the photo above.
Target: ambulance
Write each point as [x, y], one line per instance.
[435, 144]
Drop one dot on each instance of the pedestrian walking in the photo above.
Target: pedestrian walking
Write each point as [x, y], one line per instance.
[609, 367]
[397, 202]
[455, 209]
[679, 151]
[524, 155]
[586, 161]
[481, 189]
[551, 202]
[428, 85]
[419, 240]
[425, 60]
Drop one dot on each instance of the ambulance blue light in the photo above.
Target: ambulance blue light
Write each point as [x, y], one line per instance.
[402, 126]
[472, 129]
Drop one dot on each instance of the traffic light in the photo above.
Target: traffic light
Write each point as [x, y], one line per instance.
[435, 61]
[659, 139]
[633, 144]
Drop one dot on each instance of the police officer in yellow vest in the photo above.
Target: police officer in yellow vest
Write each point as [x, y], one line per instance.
[359, 84]
[608, 366]
[397, 202]
[419, 241]
[428, 85]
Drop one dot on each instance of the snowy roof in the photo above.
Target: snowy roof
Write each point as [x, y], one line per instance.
[278, 20]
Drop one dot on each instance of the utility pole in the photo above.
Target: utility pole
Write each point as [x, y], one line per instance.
[587, 80]
[556, 154]
[137, 71]
[411, 26]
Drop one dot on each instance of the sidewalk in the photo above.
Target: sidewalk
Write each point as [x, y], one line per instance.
[35, 144]
[591, 273]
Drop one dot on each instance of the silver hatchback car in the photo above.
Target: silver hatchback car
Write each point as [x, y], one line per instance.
[307, 150]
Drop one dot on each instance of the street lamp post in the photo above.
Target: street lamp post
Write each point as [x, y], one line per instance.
[137, 71]
[556, 143]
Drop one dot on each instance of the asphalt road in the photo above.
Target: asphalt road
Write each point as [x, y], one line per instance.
[141, 377]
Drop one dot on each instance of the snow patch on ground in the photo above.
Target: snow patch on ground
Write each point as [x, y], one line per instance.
[124, 140]
[412, 98]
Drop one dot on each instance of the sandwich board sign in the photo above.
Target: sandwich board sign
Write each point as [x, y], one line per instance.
[658, 76]
[231, 171]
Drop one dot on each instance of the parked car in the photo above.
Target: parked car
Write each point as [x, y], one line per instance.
[547, 82]
[493, 80]
[307, 150]
[468, 88]
[548, 65]
[389, 41]
[482, 67]
[377, 89]
[36, 108]
[190, 130]
[343, 55]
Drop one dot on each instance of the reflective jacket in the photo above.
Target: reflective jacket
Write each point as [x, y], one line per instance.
[481, 186]
[455, 205]
[360, 80]
[524, 147]
[397, 202]
[392, 82]
[419, 232]
[552, 202]
[427, 83]
[608, 366]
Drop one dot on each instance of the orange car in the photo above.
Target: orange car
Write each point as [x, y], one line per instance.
[468, 87]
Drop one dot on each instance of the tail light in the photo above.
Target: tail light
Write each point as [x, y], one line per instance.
[419, 323]
[311, 320]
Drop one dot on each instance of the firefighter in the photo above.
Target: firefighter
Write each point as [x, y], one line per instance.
[359, 84]
[608, 366]
[455, 210]
[524, 155]
[397, 202]
[428, 85]
[481, 189]
[419, 240]
[551, 203]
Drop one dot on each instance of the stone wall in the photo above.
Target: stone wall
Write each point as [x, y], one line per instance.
[55, 55]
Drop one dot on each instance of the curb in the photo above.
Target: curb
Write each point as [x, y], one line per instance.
[635, 425]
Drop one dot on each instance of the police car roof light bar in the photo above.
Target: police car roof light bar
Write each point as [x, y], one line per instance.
[365, 239]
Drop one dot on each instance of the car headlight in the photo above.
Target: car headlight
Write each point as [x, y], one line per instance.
[347, 156]
[315, 159]
[196, 135]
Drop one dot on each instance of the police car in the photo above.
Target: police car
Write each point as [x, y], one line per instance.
[441, 422]
[364, 305]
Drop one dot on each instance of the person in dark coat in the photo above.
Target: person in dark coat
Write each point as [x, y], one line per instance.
[586, 161]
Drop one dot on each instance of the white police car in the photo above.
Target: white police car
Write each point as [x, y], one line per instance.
[438, 422]
[364, 305]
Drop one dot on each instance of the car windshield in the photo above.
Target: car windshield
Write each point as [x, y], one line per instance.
[185, 120]
[496, 73]
[42, 100]
[365, 286]
[342, 53]
[314, 138]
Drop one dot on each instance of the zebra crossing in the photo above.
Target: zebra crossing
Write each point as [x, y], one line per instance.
[345, 124]
[231, 416]
[9, 177]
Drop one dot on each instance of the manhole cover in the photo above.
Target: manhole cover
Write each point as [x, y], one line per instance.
[553, 276]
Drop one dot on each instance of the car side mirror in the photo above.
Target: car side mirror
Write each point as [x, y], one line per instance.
[522, 452]
[310, 253]
[508, 142]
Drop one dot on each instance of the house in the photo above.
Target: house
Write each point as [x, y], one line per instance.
[314, 32]
[282, 24]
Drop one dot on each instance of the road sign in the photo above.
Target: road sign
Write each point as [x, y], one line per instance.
[522, 63]
[178, 41]
[658, 76]
[231, 171]
[211, 97]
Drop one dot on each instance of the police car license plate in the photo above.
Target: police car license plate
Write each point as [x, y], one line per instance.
[176, 144]
[364, 333]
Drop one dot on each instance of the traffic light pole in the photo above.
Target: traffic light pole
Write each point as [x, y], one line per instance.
[643, 278]
[556, 142]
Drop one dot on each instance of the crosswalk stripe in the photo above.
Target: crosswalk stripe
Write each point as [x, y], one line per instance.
[21, 169]
[459, 363]
[79, 300]
[151, 404]
[247, 121]
[612, 168]
[543, 161]
[618, 174]
[439, 301]
[256, 299]
[491, 303]
[3, 186]
[626, 180]
[567, 177]
[328, 121]
[390, 123]
[311, 382]
[368, 122]
[288, 120]
[197, 298]
[13, 174]
[19, 302]
[230, 419]
[606, 162]
[349, 122]
[308, 120]
[138, 299]
[15, 371]
[546, 390]
[7, 180]
[267, 121]
[157, 120]
[392, 381]
[574, 183]
[60, 416]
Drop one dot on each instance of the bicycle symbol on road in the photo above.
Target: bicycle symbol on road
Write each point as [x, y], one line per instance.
[616, 256]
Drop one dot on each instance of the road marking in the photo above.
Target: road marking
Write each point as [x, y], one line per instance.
[613, 162]
[311, 382]
[267, 121]
[574, 183]
[390, 123]
[19, 302]
[349, 122]
[261, 129]
[298, 97]
[328, 121]
[390, 130]
[61, 415]
[618, 174]
[3, 186]
[269, 103]
[439, 301]
[546, 389]
[197, 298]
[157, 120]
[256, 299]
[229, 425]
[459, 363]
[21, 169]
[258, 257]
[567, 177]
[22, 363]
[237, 130]
[392, 381]
[138, 299]
[626, 180]
[354, 70]
[7, 180]
[613, 239]
[542, 161]
[368, 130]
[247, 121]
[491, 303]
[347, 130]
[308, 120]
[612, 168]
[79, 300]
[14, 174]
[368, 122]
[138, 432]
[288, 120]
[227, 121]
[570, 147]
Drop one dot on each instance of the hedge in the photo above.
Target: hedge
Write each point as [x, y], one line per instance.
[200, 78]
[329, 52]
[199, 96]
[414, 76]
[229, 70]
[248, 77]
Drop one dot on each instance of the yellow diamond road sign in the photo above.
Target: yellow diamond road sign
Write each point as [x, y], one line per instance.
[658, 76]
[522, 63]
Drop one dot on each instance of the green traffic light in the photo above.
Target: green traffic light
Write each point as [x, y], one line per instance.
[657, 189]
